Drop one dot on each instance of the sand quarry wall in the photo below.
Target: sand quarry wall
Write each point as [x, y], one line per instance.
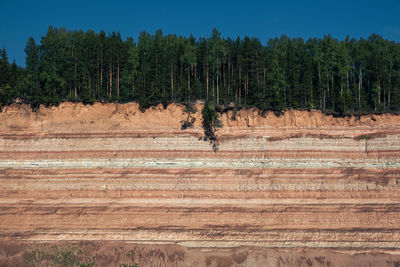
[103, 117]
[110, 174]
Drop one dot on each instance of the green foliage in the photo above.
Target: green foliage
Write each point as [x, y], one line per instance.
[56, 256]
[211, 120]
[364, 137]
[344, 76]
[63, 256]
[234, 113]
[189, 109]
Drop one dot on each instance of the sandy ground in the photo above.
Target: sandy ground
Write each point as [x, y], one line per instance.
[116, 253]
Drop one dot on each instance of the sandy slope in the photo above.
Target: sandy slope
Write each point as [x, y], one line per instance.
[299, 189]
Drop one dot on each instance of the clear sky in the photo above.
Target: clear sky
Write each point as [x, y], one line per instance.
[21, 19]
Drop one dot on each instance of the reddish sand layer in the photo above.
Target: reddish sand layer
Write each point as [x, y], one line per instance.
[300, 189]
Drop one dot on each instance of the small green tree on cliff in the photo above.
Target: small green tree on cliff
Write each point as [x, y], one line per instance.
[211, 120]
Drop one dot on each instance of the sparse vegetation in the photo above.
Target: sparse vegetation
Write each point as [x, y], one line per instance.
[234, 113]
[365, 137]
[189, 109]
[211, 123]
[63, 256]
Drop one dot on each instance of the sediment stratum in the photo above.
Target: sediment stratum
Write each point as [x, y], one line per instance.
[111, 173]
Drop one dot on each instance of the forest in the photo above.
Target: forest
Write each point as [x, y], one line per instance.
[340, 76]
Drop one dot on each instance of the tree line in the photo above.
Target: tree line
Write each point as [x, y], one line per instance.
[343, 76]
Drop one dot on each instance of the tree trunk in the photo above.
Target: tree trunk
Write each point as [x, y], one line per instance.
[311, 94]
[172, 81]
[189, 85]
[378, 84]
[359, 87]
[319, 86]
[246, 87]
[157, 73]
[390, 81]
[207, 79]
[36, 79]
[264, 78]
[332, 91]
[180, 80]
[257, 74]
[217, 81]
[75, 81]
[118, 81]
[229, 77]
[213, 84]
[110, 80]
[90, 91]
[240, 83]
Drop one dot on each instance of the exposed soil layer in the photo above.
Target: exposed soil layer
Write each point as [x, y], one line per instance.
[301, 189]
[72, 117]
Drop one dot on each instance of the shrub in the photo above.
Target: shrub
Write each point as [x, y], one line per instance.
[211, 120]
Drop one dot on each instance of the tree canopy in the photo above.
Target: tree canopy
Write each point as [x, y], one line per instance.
[319, 73]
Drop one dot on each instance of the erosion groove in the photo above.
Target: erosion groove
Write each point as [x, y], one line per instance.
[104, 176]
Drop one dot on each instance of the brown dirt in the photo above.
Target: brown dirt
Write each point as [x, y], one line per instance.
[301, 189]
[104, 117]
[116, 253]
[302, 119]
[73, 117]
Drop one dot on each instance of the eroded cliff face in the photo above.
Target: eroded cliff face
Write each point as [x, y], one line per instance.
[69, 117]
[298, 119]
[103, 117]
[110, 174]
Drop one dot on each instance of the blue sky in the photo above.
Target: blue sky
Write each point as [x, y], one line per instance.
[261, 19]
